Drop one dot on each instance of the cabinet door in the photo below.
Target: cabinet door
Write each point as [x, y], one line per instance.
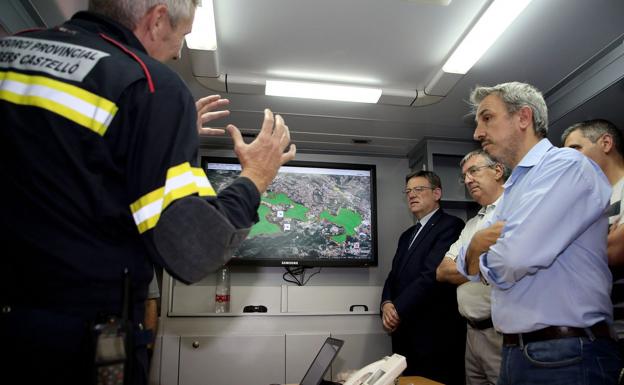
[360, 349]
[168, 360]
[300, 351]
[232, 360]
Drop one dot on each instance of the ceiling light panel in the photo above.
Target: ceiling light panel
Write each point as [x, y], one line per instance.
[322, 91]
[499, 15]
[203, 35]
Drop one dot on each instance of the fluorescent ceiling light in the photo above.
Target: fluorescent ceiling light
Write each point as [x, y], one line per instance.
[490, 26]
[203, 34]
[322, 91]
[323, 77]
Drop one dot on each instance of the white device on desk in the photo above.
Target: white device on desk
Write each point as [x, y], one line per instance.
[382, 372]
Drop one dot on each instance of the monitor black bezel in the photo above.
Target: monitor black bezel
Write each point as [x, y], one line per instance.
[308, 262]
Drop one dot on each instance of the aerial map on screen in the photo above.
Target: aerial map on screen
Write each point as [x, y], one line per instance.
[307, 213]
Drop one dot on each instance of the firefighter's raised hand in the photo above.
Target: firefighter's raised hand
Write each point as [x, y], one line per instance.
[262, 158]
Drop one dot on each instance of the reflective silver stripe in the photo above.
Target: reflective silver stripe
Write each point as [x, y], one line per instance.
[182, 180]
[74, 103]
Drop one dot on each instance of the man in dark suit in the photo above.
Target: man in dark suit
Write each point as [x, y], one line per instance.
[420, 312]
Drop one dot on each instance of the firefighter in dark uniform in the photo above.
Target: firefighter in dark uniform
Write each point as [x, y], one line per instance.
[98, 158]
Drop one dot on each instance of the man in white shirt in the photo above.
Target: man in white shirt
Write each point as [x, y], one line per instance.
[484, 178]
[601, 141]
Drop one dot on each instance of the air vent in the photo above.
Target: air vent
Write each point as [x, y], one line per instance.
[361, 141]
[248, 134]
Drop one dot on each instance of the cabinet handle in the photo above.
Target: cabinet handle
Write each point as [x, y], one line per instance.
[195, 344]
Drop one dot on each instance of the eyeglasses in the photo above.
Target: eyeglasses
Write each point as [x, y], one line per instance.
[417, 189]
[472, 171]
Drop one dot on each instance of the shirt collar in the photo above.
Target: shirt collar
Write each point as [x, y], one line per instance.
[530, 159]
[536, 153]
[97, 23]
[490, 207]
[423, 221]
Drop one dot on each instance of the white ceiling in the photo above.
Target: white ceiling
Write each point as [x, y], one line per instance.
[389, 44]
[384, 43]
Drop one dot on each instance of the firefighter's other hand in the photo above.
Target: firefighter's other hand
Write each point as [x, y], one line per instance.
[210, 108]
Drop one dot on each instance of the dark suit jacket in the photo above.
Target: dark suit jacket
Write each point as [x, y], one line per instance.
[431, 333]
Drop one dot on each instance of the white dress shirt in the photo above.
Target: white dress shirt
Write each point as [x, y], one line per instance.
[473, 298]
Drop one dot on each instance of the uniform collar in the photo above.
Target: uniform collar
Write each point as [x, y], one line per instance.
[97, 23]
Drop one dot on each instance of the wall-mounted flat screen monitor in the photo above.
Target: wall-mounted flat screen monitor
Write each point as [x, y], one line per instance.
[313, 214]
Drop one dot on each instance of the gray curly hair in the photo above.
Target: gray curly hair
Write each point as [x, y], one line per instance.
[516, 95]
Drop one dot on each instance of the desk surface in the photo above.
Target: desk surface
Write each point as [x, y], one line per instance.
[416, 380]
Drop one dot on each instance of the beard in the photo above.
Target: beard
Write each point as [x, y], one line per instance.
[506, 150]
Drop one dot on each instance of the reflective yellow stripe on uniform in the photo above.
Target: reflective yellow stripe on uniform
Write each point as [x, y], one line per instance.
[182, 180]
[83, 107]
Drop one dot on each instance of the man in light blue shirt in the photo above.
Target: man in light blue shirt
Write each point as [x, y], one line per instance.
[545, 253]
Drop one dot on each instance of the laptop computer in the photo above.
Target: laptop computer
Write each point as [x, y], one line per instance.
[320, 364]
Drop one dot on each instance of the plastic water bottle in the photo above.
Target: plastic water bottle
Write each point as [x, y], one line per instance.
[222, 291]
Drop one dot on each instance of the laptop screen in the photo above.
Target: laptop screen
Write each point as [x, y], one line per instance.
[321, 362]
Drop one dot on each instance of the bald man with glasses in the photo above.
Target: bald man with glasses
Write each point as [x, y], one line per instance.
[419, 312]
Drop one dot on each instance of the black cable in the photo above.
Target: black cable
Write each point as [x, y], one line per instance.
[312, 275]
[298, 275]
[288, 272]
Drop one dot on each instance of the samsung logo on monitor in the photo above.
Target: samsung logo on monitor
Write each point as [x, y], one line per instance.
[290, 262]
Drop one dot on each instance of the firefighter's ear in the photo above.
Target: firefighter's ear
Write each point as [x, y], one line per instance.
[152, 30]
[157, 20]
